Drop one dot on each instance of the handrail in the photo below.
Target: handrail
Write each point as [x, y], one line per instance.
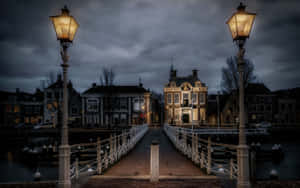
[107, 151]
[204, 152]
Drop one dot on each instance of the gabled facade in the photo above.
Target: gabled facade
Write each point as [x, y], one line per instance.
[53, 97]
[185, 100]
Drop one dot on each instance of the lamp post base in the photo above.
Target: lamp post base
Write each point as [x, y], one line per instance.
[243, 165]
[64, 167]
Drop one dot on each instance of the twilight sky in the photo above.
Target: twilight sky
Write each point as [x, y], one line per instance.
[138, 38]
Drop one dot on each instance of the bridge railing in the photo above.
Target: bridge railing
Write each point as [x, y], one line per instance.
[94, 158]
[217, 158]
[206, 131]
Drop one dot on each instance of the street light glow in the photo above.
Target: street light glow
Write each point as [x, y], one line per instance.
[65, 26]
[240, 23]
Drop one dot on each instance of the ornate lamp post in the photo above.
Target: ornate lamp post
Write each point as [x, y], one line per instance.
[240, 25]
[65, 27]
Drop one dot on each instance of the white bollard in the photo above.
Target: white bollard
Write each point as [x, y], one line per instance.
[154, 162]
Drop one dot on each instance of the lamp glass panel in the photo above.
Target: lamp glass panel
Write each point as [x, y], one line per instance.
[61, 26]
[232, 26]
[72, 29]
[244, 24]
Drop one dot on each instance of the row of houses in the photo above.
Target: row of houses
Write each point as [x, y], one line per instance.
[187, 103]
[98, 106]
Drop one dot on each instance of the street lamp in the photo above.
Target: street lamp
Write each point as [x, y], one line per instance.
[240, 25]
[65, 27]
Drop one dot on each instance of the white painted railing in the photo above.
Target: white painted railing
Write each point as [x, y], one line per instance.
[104, 153]
[211, 156]
[224, 131]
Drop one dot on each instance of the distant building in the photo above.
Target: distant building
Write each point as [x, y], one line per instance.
[53, 98]
[260, 105]
[20, 109]
[287, 107]
[185, 100]
[106, 106]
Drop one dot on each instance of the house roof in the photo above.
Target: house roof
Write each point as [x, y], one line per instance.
[256, 89]
[115, 89]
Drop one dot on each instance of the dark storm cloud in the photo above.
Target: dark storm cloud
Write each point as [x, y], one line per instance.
[139, 38]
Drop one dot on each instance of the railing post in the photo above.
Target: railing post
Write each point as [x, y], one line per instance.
[99, 163]
[231, 168]
[176, 138]
[76, 169]
[106, 159]
[208, 155]
[111, 148]
[124, 142]
[115, 148]
[184, 135]
[202, 159]
[118, 147]
[196, 149]
[193, 147]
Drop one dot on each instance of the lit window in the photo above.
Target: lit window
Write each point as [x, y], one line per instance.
[17, 108]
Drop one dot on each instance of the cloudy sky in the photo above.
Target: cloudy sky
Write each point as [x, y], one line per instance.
[139, 38]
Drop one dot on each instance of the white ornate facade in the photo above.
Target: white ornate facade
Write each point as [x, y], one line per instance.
[185, 100]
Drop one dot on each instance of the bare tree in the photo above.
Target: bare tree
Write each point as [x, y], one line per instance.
[230, 75]
[108, 76]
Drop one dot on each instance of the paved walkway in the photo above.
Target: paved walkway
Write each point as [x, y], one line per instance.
[176, 171]
[171, 162]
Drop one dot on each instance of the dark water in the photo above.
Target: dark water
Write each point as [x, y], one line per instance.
[13, 171]
[288, 168]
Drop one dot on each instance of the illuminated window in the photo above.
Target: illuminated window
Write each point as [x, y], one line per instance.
[17, 108]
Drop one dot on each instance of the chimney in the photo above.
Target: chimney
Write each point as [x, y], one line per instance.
[195, 74]
[94, 85]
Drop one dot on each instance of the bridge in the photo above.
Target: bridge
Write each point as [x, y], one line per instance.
[183, 155]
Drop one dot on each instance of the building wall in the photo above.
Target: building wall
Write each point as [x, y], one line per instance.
[117, 110]
[184, 103]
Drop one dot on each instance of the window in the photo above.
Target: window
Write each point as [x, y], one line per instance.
[123, 118]
[36, 109]
[17, 108]
[123, 103]
[185, 99]
[177, 115]
[169, 98]
[176, 98]
[74, 110]
[92, 105]
[116, 103]
[49, 95]
[57, 95]
[194, 98]
[138, 104]
[202, 98]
